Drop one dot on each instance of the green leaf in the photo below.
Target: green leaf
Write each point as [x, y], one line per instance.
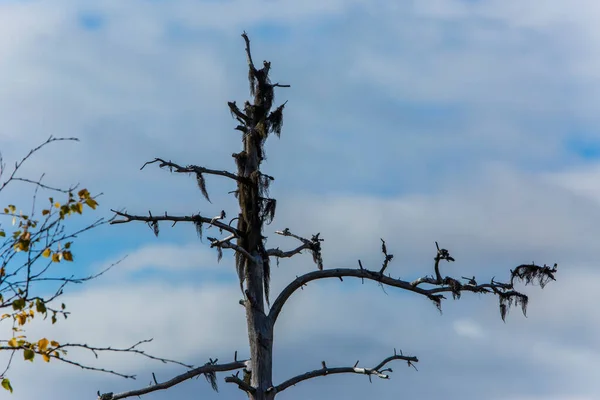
[40, 306]
[18, 304]
[28, 355]
[6, 385]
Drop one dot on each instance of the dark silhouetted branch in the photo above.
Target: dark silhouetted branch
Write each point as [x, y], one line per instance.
[240, 383]
[314, 245]
[447, 285]
[192, 169]
[155, 219]
[209, 368]
[226, 244]
[287, 254]
[387, 257]
[377, 371]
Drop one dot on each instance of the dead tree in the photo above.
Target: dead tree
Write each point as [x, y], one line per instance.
[256, 121]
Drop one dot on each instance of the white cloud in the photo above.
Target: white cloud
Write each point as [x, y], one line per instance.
[468, 329]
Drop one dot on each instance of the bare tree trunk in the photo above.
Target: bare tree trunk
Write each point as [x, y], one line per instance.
[260, 335]
[260, 332]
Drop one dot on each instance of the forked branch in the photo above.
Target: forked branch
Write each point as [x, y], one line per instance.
[377, 371]
[226, 244]
[314, 245]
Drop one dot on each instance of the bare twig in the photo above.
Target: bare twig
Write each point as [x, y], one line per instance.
[314, 245]
[52, 353]
[155, 219]
[20, 163]
[248, 53]
[191, 169]
[375, 371]
[387, 257]
[205, 369]
[226, 244]
[287, 254]
[240, 383]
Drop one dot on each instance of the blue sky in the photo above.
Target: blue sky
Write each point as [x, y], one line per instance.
[471, 123]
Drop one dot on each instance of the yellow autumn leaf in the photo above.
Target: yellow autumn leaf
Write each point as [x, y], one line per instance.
[12, 342]
[57, 204]
[54, 343]
[91, 203]
[45, 212]
[22, 318]
[56, 257]
[78, 208]
[43, 344]
[46, 253]
[46, 357]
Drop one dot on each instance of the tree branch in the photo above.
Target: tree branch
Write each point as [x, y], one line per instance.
[197, 218]
[287, 254]
[226, 244]
[209, 368]
[506, 295]
[55, 352]
[241, 384]
[239, 115]
[193, 169]
[375, 371]
[248, 53]
[314, 245]
[20, 163]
